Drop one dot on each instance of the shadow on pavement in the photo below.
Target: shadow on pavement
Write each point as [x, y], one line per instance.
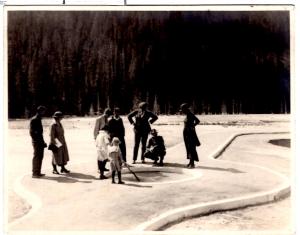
[71, 178]
[137, 185]
[232, 170]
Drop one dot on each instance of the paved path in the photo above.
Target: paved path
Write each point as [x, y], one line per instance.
[81, 202]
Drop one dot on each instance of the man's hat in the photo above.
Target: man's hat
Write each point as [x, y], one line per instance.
[108, 111]
[142, 105]
[57, 114]
[41, 108]
[184, 106]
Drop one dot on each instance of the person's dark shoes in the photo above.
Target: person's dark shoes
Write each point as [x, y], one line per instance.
[64, 170]
[191, 166]
[188, 165]
[143, 161]
[133, 162]
[102, 177]
[113, 182]
[37, 175]
[55, 172]
[121, 182]
[160, 164]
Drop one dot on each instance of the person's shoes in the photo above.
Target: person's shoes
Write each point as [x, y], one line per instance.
[191, 166]
[102, 177]
[188, 165]
[113, 182]
[37, 175]
[133, 162]
[143, 161]
[160, 164]
[55, 172]
[121, 182]
[64, 170]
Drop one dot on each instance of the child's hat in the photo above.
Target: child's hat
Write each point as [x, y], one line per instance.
[115, 140]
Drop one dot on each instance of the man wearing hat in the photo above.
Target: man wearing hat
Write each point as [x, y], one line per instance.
[38, 143]
[156, 149]
[141, 119]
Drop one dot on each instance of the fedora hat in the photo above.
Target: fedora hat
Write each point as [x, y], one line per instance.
[57, 114]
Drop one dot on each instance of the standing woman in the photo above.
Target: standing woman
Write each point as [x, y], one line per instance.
[191, 140]
[60, 155]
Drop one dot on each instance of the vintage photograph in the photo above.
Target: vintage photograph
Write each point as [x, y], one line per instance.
[155, 119]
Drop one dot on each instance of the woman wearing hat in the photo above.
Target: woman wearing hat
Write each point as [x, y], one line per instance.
[60, 155]
[191, 140]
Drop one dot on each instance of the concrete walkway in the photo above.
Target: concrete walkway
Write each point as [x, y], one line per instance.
[79, 201]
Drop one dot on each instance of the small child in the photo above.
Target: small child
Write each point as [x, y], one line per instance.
[156, 149]
[102, 141]
[115, 157]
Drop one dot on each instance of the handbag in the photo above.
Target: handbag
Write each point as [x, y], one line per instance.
[52, 147]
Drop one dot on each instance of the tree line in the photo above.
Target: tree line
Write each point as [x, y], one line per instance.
[83, 61]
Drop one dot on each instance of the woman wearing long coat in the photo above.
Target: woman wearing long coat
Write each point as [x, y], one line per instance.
[60, 155]
[190, 137]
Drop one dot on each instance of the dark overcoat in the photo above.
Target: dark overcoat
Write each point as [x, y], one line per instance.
[61, 156]
[190, 137]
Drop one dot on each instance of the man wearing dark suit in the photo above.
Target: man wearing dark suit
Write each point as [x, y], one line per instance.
[38, 143]
[116, 129]
[143, 119]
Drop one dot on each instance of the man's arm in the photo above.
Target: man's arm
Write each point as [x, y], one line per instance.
[153, 117]
[131, 115]
[96, 128]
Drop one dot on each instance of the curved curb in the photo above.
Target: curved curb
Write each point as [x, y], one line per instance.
[182, 213]
[31, 198]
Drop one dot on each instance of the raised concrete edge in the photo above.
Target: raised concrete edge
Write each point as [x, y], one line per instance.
[182, 213]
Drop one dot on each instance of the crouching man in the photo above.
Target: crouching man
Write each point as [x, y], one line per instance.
[156, 149]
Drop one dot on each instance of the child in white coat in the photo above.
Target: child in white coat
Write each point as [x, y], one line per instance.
[116, 160]
[102, 142]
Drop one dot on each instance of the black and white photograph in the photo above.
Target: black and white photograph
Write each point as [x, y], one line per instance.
[138, 119]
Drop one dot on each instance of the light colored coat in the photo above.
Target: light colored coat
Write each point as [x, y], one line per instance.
[102, 141]
[61, 156]
[100, 123]
[115, 157]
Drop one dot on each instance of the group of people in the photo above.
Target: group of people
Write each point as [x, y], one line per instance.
[57, 144]
[109, 136]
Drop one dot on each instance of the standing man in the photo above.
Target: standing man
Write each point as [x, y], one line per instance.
[102, 121]
[116, 129]
[143, 119]
[38, 143]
